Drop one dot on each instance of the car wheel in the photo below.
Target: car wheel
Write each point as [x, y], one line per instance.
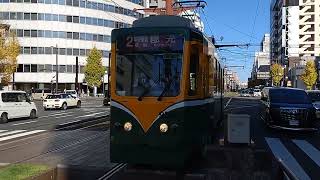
[45, 109]
[64, 106]
[79, 104]
[4, 118]
[33, 114]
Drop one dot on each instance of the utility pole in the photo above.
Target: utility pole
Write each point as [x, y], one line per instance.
[77, 75]
[57, 68]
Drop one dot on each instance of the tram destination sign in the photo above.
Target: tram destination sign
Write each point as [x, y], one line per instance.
[167, 42]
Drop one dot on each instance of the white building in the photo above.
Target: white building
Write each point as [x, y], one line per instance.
[261, 63]
[75, 26]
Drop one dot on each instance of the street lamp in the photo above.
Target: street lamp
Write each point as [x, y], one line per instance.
[57, 69]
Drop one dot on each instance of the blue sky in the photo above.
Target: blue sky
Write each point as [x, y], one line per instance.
[238, 21]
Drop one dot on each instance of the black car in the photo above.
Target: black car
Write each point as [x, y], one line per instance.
[288, 108]
[106, 99]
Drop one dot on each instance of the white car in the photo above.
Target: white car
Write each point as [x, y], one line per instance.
[73, 93]
[61, 101]
[16, 104]
[256, 92]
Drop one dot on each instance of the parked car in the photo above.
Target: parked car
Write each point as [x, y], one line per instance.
[315, 98]
[61, 101]
[40, 94]
[73, 93]
[106, 99]
[290, 109]
[257, 93]
[16, 104]
[245, 93]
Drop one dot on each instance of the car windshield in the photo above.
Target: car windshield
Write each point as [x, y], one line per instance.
[148, 74]
[288, 96]
[53, 97]
[71, 92]
[315, 96]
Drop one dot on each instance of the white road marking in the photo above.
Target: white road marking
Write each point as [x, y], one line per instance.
[21, 135]
[28, 122]
[11, 132]
[309, 149]
[88, 115]
[241, 107]
[64, 116]
[58, 114]
[3, 131]
[4, 164]
[283, 155]
[228, 103]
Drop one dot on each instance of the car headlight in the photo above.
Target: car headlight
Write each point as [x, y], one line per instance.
[127, 126]
[164, 128]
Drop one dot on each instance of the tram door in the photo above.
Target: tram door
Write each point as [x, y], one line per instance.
[196, 73]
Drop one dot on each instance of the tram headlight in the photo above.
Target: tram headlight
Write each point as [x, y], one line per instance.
[127, 126]
[164, 128]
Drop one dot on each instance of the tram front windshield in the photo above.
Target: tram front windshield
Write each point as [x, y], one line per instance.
[143, 70]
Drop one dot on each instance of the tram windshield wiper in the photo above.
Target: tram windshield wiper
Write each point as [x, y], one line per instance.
[145, 91]
[166, 88]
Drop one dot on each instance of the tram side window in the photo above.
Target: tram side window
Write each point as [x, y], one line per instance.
[194, 65]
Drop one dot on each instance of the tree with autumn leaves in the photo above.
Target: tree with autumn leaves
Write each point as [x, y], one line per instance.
[276, 73]
[9, 51]
[309, 76]
[94, 70]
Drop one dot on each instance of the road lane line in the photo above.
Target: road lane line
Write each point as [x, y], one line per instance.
[309, 149]
[283, 155]
[21, 135]
[227, 103]
[55, 114]
[241, 107]
[88, 115]
[11, 132]
[64, 116]
[23, 123]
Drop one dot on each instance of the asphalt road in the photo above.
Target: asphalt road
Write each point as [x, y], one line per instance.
[297, 150]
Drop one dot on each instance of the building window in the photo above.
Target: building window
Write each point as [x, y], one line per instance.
[81, 69]
[40, 16]
[47, 17]
[40, 50]
[20, 32]
[94, 21]
[41, 68]
[88, 20]
[62, 51]
[94, 37]
[34, 16]
[34, 68]
[26, 68]
[62, 34]
[75, 35]
[82, 4]
[20, 68]
[69, 35]
[34, 33]
[75, 19]
[69, 2]
[55, 1]
[100, 38]
[55, 34]
[100, 22]
[55, 17]
[13, 15]
[82, 52]
[48, 50]
[33, 50]
[76, 52]
[48, 67]
[69, 51]
[69, 18]
[26, 33]
[75, 3]
[62, 2]
[82, 20]
[40, 33]
[47, 1]
[62, 68]
[48, 34]
[82, 36]
[27, 16]
[69, 68]
[62, 18]
[19, 15]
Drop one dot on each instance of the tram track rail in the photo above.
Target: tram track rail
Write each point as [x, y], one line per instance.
[113, 171]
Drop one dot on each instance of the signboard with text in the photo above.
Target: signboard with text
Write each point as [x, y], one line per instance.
[145, 43]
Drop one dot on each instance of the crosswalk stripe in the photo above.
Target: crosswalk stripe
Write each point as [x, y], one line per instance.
[2, 131]
[284, 156]
[21, 135]
[11, 132]
[311, 151]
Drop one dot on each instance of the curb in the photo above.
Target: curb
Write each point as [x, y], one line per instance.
[79, 123]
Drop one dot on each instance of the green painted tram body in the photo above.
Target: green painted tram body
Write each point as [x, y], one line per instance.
[191, 118]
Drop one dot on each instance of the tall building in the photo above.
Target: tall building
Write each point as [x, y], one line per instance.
[309, 21]
[261, 66]
[74, 26]
[284, 31]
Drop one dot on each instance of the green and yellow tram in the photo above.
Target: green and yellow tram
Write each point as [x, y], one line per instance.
[166, 91]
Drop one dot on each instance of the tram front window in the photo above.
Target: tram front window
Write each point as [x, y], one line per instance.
[148, 74]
